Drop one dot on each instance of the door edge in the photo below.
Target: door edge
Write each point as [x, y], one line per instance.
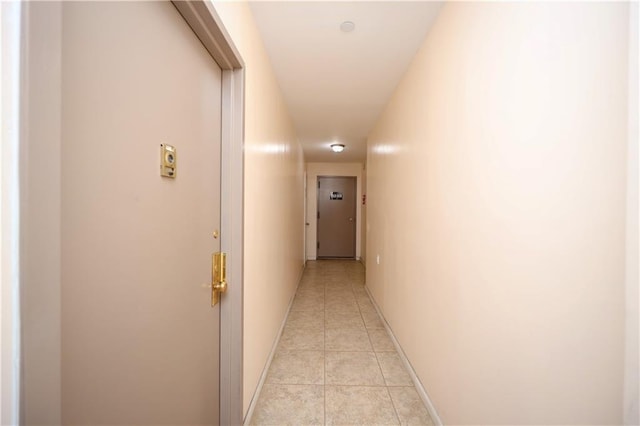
[205, 22]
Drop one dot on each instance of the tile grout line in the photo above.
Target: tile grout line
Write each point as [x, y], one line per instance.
[393, 404]
[369, 386]
[324, 353]
[263, 377]
[359, 294]
[386, 386]
[418, 386]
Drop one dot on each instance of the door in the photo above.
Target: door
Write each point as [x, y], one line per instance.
[140, 339]
[336, 217]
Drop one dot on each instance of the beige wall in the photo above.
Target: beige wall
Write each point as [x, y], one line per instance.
[330, 169]
[274, 197]
[496, 202]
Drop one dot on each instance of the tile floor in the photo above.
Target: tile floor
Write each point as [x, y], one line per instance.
[335, 363]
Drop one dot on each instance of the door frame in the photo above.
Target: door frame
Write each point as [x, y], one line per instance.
[355, 214]
[330, 169]
[306, 221]
[9, 212]
[42, 392]
[208, 27]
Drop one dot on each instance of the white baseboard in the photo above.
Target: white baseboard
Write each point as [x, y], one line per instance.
[416, 381]
[265, 371]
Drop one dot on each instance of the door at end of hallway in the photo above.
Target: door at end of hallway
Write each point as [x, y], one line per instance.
[336, 217]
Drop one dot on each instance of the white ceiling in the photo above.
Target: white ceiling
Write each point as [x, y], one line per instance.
[335, 83]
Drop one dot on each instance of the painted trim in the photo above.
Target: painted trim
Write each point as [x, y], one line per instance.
[414, 377]
[232, 242]
[40, 236]
[304, 217]
[631, 396]
[10, 28]
[207, 25]
[205, 22]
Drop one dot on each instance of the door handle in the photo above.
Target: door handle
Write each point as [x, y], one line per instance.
[218, 276]
[350, 219]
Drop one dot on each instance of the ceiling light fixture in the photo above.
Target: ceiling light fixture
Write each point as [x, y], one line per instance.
[337, 147]
[347, 26]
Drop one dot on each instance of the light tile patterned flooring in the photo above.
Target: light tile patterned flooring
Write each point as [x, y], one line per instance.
[335, 363]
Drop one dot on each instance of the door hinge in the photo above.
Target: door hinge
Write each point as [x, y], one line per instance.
[318, 215]
[318, 184]
[318, 244]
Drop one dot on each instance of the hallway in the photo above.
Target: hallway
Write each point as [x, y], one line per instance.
[494, 148]
[335, 363]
